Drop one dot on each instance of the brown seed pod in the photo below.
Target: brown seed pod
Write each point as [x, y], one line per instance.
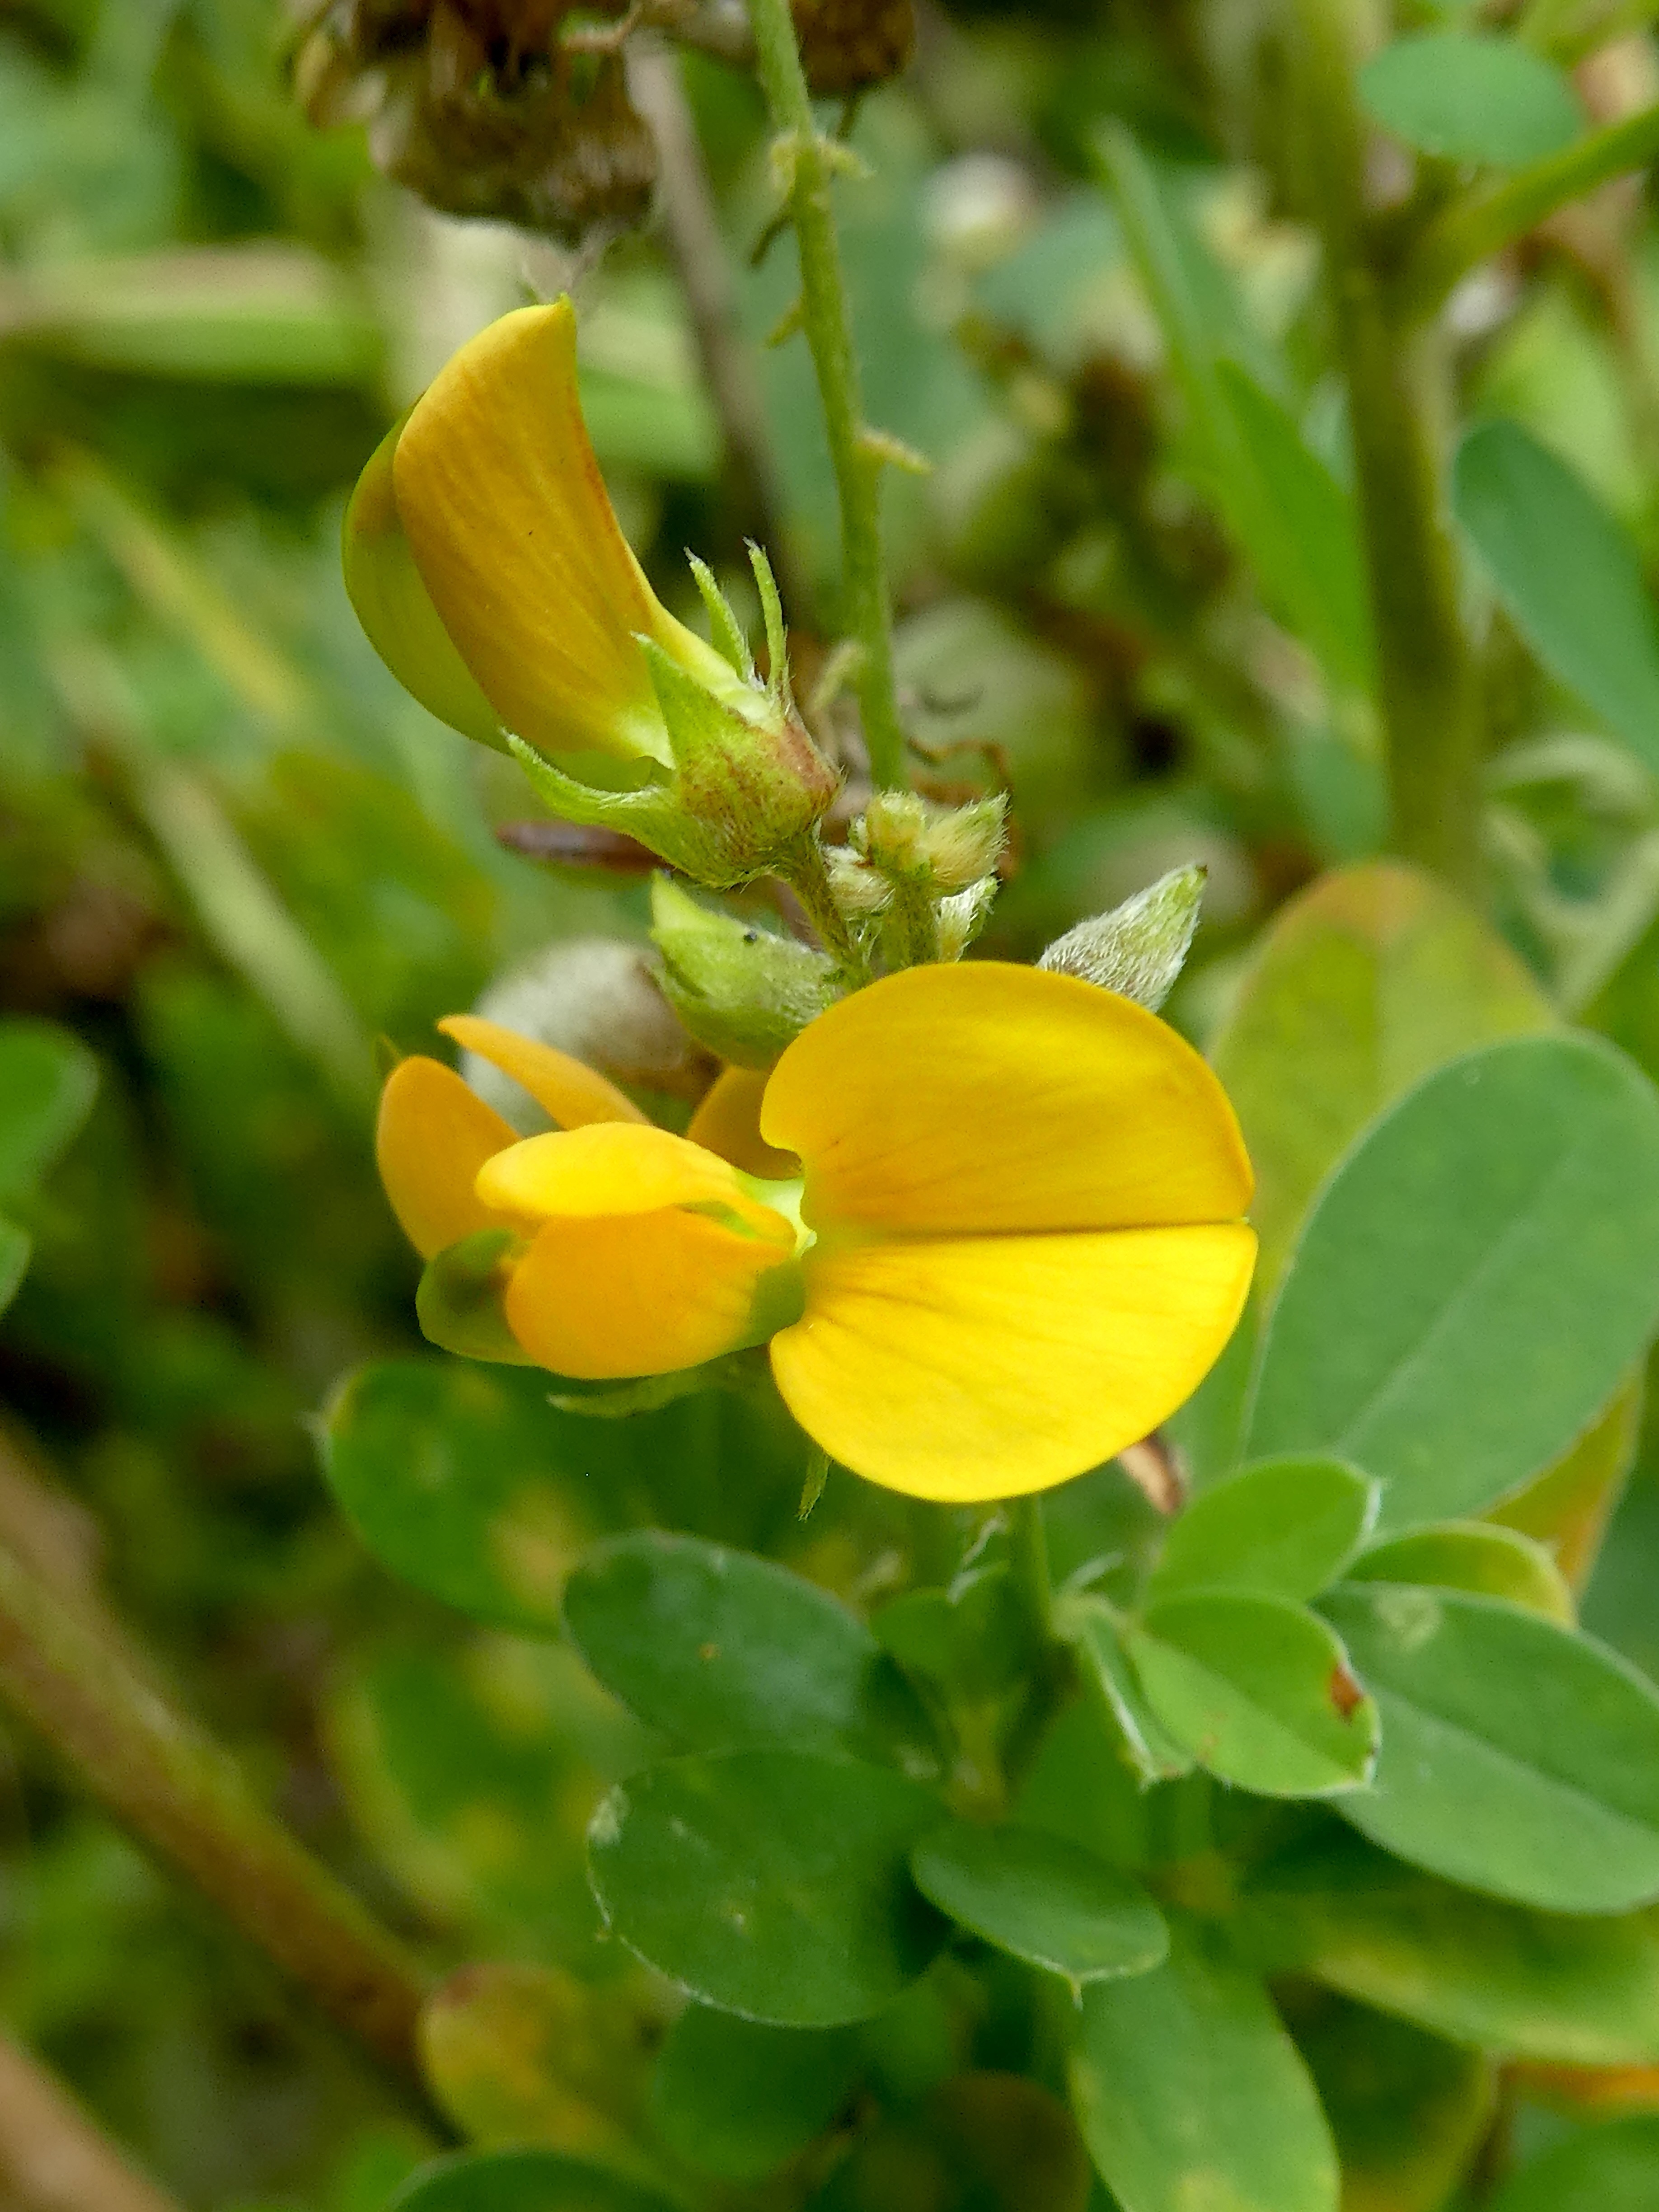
[846, 45]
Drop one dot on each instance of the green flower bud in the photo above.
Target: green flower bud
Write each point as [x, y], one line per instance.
[741, 991]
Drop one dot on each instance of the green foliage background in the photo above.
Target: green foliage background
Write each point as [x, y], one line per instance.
[233, 854]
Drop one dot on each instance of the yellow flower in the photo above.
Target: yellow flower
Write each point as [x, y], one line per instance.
[489, 570]
[1014, 1244]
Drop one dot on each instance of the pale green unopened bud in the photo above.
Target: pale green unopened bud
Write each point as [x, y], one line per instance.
[961, 917]
[861, 893]
[742, 991]
[1138, 949]
[945, 848]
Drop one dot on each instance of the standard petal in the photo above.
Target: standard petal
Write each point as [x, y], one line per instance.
[614, 1168]
[979, 1367]
[396, 609]
[511, 527]
[433, 1136]
[727, 1122]
[987, 1097]
[568, 1090]
[646, 1294]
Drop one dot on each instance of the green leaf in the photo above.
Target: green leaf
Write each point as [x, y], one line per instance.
[1476, 1279]
[1554, 1987]
[973, 1638]
[1040, 1898]
[1151, 1750]
[1285, 1528]
[1082, 1786]
[521, 2181]
[16, 1247]
[1472, 1555]
[1303, 535]
[1611, 2168]
[737, 2099]
[1257, 1690]
[1409, 2110]
[1516, 1758]
[48, 1080]
[719, 1649]
[1368, 982]
[1568, 575]
[473, 1773]
[1293, 519]
[1190, 2094]
[769, 1883]
[446, 1470]
[1464, 97]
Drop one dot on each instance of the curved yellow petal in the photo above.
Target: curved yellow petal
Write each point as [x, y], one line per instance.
[433, 1136]
[962, 1100]
[727, 1122]
[980, 1368]
[644, 1295]
[617, 1169]
[568, 1090]
[512, 529]
[396, 609]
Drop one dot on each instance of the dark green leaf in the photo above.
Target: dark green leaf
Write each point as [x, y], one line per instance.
[735, 2100]
[1611, 2168]
[980, 2143]
[16, 1247]
[1570, 579]
[1409, 2110]
[1465, 98]
[1190, 2094]
[1258, 1691]
[1474, 1280]
[1472, 1555]
[1042, 1898]
[521, 2181]
[1151, 1750]
[47, 1082]
[719, 1649]
[972, 1636]
[1551, 1986]
[1516, 1758]
[1285, 1528]
[447, 1471]
[772, 1884]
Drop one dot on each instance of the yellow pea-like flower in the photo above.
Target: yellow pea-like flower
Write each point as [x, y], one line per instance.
[488, 571]
[1014, 1245]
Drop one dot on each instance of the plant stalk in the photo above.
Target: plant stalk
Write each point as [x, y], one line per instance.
[56, 2157]
[185, 1797]
[1430, 697]
[1481, 223]
[825, 316]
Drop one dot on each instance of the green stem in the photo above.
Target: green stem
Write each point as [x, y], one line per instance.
[1051, 1663]
[809, 879]
[1430, 698]
[185, 1797]
[824, 312]
[1474, 227]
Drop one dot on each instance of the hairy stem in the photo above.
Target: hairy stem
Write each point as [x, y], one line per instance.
[1482, 222]
[692, 225]
[1050, 1673]
[823, 311]
[184, 1797]
[1430, 698]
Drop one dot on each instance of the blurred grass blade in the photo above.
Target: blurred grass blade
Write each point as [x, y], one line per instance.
[240, 915]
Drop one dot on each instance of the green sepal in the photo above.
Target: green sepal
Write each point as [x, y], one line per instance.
[743, 992]
[728, 639]
[458, 1303]
[1139, 948]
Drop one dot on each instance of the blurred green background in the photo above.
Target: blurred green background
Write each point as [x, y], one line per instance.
[233, 854]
